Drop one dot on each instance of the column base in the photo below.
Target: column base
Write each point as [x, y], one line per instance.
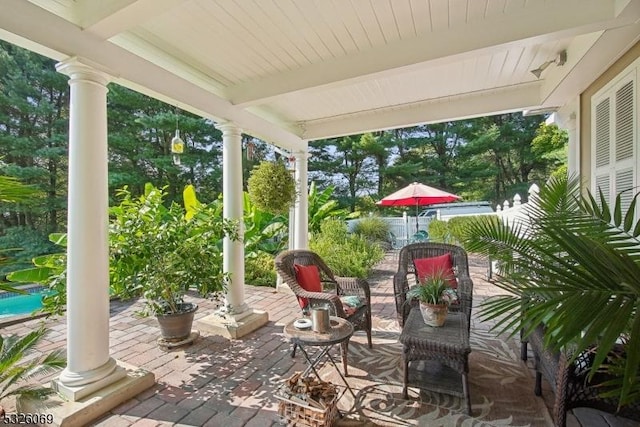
[78, 380]
[75, 393]
[233, 326]
[82, 411]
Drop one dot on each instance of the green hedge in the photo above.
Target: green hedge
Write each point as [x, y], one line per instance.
[260, 270]
[452, 231]
[372, 228]
[346, 254]
[439, 231]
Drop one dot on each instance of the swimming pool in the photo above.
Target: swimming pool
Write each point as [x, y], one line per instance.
[12, 304]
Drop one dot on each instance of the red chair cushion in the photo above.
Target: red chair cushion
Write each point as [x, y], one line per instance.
[428, 266]
[308, 277]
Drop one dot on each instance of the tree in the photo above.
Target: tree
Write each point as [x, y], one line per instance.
[551, 143]
[436, 147]
[345, 162]
[140, 133]
[33, 135]
[499, 158]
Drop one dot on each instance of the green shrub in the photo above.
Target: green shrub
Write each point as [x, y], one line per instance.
[22, 244]
[439, 231]
[458, 226]
[452, 231]
[158, 250]
[259, 270]
[346, 254]
[372, 228]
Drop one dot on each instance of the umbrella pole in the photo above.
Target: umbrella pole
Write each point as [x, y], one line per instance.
[417, 228]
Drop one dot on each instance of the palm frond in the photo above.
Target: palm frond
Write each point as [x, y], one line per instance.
[573, 263]
[14, 370]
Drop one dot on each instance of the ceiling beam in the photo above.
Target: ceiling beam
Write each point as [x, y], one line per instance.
[27, 21]
[144, 47]
[106, 18]
[496, 101]
[541, 23]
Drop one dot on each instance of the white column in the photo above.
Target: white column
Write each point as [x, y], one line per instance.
[573, 167]
[233, 251]
[302, 201]
[291, 244]
[568, 118]
[88, 358]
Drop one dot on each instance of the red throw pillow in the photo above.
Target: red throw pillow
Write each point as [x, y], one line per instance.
[308, 278]
[428, 266]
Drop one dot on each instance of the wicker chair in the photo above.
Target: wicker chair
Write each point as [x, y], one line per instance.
[570, 382]
[333, 288]
[406, 275]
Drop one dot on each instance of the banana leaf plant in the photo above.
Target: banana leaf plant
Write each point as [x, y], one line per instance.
[264, 231]
[14, 191]
[322, 205]
[50, 271]
[574, 265]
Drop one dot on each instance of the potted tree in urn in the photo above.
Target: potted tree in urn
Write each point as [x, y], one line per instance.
[166, 252]
[434, 294]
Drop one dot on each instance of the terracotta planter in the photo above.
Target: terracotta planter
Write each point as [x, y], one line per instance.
[177, 327]
[434, 314]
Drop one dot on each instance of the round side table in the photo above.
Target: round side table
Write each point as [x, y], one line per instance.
[340, 332]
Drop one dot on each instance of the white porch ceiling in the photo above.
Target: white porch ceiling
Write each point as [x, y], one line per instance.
[292, 70]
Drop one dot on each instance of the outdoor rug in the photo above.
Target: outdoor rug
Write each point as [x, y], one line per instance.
[501, 386]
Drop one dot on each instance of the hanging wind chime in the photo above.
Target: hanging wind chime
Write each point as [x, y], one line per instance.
[177, 145]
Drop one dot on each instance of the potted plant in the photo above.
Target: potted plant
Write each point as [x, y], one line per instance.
[165, 253]
[573, 267]
[434, 295]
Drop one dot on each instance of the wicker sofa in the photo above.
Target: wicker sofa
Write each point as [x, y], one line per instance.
[573, 389]
[406, 275]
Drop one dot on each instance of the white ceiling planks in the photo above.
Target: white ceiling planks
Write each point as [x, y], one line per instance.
[290, 70]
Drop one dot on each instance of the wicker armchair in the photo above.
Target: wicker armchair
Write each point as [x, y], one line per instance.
[571, 384]
[333, 287]
[406, 275]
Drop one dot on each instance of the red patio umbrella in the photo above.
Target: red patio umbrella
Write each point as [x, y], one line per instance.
[419, 195]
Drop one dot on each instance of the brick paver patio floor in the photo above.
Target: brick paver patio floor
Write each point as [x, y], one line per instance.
[216, 381]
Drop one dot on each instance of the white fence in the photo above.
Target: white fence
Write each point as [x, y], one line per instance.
[515, 214]
[403, 228]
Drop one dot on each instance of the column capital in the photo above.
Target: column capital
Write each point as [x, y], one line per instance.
[82, 69]
[229, 128]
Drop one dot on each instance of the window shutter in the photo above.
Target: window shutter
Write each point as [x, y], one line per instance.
[602, 133]
[624, 122]
[613, 118]
[614, 156]
[624, 181]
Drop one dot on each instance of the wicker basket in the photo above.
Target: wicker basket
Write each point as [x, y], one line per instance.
[301, 415]
[307, 402]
